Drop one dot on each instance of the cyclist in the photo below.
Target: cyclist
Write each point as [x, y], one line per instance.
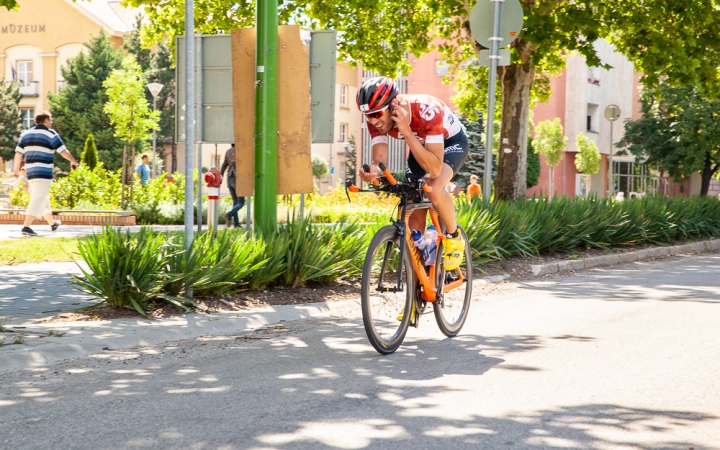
[437, 147]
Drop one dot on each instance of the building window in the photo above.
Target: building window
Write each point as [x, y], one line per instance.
[25, 72]
[343, 95]
[592, 118]
[28, 118]
[343, 132]
[61, 84]
[441, 67]
[594, 75]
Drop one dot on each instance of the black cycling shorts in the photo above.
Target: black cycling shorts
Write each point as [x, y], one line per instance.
[456, 152]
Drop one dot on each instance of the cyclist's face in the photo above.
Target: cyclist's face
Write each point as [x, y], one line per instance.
[383, 124]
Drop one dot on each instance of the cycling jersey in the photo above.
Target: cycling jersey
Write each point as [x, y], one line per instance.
[431, 122]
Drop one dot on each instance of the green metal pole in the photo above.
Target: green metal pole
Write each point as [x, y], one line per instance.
[266, 113]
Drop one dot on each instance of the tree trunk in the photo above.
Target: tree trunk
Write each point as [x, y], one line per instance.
[517, 80]
[587, 186]
[173, 156]
[131, 165]
[551, 182]
[123, 176]
[707, 174]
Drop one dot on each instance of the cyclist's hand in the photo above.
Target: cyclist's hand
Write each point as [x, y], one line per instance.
[368, 177]
[402, 119]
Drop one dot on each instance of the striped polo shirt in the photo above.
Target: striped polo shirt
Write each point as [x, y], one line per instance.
[39, 145]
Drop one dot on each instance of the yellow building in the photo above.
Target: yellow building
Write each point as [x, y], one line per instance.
[39, 38]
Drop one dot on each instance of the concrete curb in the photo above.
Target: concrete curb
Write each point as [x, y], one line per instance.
[88, 338]
[622, 258]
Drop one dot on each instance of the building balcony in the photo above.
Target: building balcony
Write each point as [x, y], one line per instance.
[30, 89]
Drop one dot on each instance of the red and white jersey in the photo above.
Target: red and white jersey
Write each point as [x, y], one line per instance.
[431, 121]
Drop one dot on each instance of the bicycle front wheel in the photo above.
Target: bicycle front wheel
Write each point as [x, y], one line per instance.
[386, 297]
[452, 308]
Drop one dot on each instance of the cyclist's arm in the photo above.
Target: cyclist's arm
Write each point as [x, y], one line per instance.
[429, 156]
[379, 155]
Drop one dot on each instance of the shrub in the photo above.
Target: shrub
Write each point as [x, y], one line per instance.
[89, 156]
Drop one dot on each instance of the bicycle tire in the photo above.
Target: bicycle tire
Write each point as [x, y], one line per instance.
[452, 309]
[380, 310]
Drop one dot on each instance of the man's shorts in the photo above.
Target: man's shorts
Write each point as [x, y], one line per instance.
[456, 152]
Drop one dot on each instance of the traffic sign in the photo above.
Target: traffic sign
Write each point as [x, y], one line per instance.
[612, 113]
[511, 22]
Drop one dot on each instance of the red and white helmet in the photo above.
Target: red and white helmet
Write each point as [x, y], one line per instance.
[376, 94]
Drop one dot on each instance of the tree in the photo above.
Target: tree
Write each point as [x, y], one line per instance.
[533, 165]
[128, 109]
[587, 159]
[679, 130]
[89, 156]
[475, 162]
[351, 159]
[77, 108]
[664, 38]
[133, 45]
[319, 167]
[10, 122]
[550, 143]
[9, 4]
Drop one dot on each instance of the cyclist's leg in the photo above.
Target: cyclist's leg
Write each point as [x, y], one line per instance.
[441, 199]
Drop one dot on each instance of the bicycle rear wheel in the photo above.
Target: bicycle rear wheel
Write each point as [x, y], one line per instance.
[452, 308]
[386, 305]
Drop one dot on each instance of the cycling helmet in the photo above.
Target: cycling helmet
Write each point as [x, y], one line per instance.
[376, 93]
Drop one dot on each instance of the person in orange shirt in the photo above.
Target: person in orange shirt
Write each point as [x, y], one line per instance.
[473, 188]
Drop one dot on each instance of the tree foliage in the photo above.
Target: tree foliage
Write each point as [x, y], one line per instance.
[587, 159]
[475, 162]
[9, 4]
[77, 108]
[89, 156]
[550, 141]
[533, 165]
[129, 111]
[320, 166]
[679, 130]
[664, 38]
[10, 122]
[351, 159]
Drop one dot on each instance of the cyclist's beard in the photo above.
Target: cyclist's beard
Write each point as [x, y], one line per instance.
[384, 128]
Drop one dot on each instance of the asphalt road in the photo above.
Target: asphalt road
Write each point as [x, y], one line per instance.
[611, 359]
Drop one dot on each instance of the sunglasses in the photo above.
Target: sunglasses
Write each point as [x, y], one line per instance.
[377, 113]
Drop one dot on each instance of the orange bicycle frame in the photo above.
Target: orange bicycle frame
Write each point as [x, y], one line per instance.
[427, 280]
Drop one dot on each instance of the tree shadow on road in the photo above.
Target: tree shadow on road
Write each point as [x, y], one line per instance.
[643, 281]
[284, 388]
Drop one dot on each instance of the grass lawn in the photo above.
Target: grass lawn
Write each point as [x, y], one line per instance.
[38, 249]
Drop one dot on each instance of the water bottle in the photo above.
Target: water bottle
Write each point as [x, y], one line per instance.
[420, 244]
[431, 236]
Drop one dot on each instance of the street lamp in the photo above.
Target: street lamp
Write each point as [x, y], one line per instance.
[154, 89]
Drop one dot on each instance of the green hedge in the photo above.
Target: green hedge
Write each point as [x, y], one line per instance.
[133, 270]
[504, 229]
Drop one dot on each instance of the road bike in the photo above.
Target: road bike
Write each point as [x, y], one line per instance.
[396, 285]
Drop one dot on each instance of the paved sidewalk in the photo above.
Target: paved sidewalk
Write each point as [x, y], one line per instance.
[43, 230]
[35, 291]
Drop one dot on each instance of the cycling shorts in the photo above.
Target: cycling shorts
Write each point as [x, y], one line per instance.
[456, 152]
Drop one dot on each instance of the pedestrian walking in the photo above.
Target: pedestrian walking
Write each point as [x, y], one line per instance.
[142, 170]
[37, 146]
[238, 202]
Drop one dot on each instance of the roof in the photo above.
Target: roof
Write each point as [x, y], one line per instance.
[115, 19]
